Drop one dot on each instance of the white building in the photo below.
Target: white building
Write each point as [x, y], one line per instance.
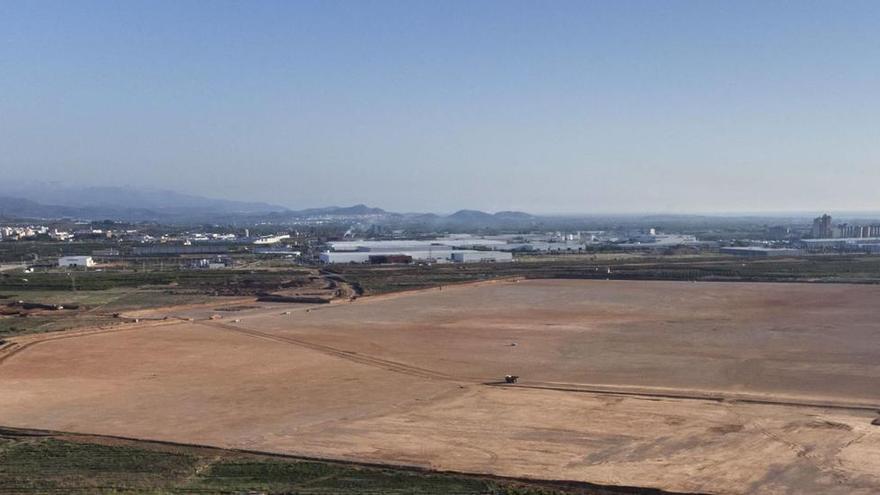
[459, 242]
[481, 256]
[760, 252]
[272, 239]
[76, 262]
[435, 255]
[427, 255]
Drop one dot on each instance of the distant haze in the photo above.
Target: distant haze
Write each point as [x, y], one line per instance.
[545, 107]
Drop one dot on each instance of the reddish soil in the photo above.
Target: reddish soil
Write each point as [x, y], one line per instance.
[720, 388]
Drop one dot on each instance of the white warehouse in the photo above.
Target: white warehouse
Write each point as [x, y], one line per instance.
[364, 256]
[76, 262]
[426, 255]
[460, 249]
[481, 256]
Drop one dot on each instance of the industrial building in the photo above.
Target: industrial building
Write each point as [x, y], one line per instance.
[106, 252]
[481, 256]
[858, 231]
[428, 255]
[546, 247]
[279, 250]
[420, 245]
[390, 259]
[659, 241]
[846, 244]
[445, 249]
[173, 250]
[271, 239]
[76, 262]
[760, 252]
[215, 263]
[439, 255]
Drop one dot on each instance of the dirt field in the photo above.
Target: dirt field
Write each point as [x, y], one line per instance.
[694, 387]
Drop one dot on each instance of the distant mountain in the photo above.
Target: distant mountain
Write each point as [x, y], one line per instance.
[19, 207]
[53, 201]
[514, 216]
[25, 208]
[475, 219]
[132, 204]
[355, 210]
[471, 216]
[112, 199]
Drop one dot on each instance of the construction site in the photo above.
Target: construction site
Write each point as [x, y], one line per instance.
[708, 387]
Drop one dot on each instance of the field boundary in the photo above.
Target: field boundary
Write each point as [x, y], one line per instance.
[598, 489]
[686, 394]
[439, 288]
[18, 344]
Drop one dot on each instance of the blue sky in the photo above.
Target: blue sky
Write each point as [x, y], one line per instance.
[617, 106]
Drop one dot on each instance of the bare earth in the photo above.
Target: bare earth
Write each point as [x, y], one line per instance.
[718, 388]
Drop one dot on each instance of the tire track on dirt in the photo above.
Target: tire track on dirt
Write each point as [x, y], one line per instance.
[680, 394]
[364, 359]
[15, 347]
[829, 467]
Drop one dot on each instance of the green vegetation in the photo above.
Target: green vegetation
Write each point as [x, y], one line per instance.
[208, 281]
[10, 326]
[53, 466]
[834, 268]
[99, 294]
[95, 307]
[46, 464]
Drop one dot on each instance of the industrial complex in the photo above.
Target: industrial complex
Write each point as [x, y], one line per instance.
[464, 248]
[451, 249]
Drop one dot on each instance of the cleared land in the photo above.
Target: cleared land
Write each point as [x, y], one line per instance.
[62, 463]
[691, 387]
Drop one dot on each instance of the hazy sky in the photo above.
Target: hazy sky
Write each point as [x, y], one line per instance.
[544, 106]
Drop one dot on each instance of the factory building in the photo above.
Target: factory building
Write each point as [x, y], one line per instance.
[76, 262]
[760, 252]
[481, 256]
[427, 255]
[432, 255]
[420, 245]
[857, 231]
[174, 250]
[272, 239]
[445, 249]
[390, 259]
[848, 244]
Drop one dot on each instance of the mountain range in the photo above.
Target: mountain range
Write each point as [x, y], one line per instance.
[141, 204]
[130, 204]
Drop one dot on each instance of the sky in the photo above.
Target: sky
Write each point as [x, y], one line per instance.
[614, 106]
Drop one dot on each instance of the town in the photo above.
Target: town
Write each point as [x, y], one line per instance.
[350, 239]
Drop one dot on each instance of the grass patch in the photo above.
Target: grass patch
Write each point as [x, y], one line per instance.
[95, 307]
[14, 325]
[835, 268]
[49, 465]
[315, 477]
[54, 466]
